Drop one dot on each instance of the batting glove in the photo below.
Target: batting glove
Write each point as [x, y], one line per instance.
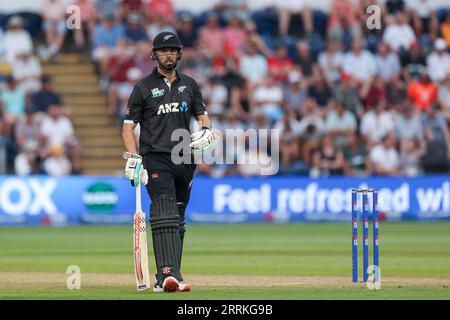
[134, 169]
[202, 140]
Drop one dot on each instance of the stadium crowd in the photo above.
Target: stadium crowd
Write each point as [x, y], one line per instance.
[347, 98]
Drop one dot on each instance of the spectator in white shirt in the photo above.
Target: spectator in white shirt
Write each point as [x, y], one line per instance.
[268, 98]
[339, 122]
[438, 62]
[359, 62]
[17, 39]
[377, 123]
[399, 35]
[330, 61]
[27, 72]
[54, 14]
[384, 157]
[388, 63]
[57, 131]
[57, 164]
[253, 65]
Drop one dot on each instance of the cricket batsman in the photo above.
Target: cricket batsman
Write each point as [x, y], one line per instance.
[162, 102]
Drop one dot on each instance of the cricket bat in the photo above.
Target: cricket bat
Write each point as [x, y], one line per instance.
[140, 245]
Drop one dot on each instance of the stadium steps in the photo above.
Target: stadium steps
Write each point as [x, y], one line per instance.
[75, 79]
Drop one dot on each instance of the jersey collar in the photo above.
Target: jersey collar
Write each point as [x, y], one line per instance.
[159, 75]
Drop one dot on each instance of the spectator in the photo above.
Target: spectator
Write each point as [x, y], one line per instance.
[356, 156]
[411, 153]
[105, 37]
[140, 58]
[134, 30]
[234, 35]
[254, 37]
[343, 22]
[347, 93]
[16, 39]
[388, 63]
[123, 91]
[242, 101]
[424, 18]
[438, 61]
[360, 64]
[215, 96]
[268, 98]
[253, 66]
[211, 40]
[330, 61]
[445, 28]
[186, 32]
[338, 122]
[117, 67]
[444, 97]
[227, 8]
[280, 64]
[107, 8]
[413, 62]
[399, 35]
[408, 124]
[311, 128]
[161, 9]
[27, 72]
[57, 163]
[375, 93]
[88, 15]
[54, 15]
[65, 139]
[384, 157]
[295, 93]
[46, 96]
[289, 140]
[320, 91]
[395, 93]
[377, 123]
[437, 136]
[13, 98]
[159, 24]
[328, 159]
[423, 93]
[304, 58]
[394, 6]
[27, 138]
[288, 8]
[128, 7]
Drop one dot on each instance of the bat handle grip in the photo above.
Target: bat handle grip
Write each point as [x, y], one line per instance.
[138, 198]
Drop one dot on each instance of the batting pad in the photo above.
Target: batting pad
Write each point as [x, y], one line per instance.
[164, 221]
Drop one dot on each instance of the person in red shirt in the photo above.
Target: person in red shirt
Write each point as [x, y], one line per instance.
[280, 64]
[158, 8]
[423, 93]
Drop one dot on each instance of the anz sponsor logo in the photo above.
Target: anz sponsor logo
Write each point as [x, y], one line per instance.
[173, 107]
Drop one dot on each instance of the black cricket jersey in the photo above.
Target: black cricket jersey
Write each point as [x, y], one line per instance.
[161, 108]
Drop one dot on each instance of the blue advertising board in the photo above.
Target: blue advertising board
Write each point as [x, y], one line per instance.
[109, 199]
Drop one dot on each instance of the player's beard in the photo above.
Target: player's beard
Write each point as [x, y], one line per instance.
[166, 67]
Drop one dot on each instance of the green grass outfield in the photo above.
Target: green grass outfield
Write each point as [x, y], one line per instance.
[247, 261]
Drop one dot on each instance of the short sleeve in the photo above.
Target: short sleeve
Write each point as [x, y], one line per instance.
[133, 112]
[198, 106]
